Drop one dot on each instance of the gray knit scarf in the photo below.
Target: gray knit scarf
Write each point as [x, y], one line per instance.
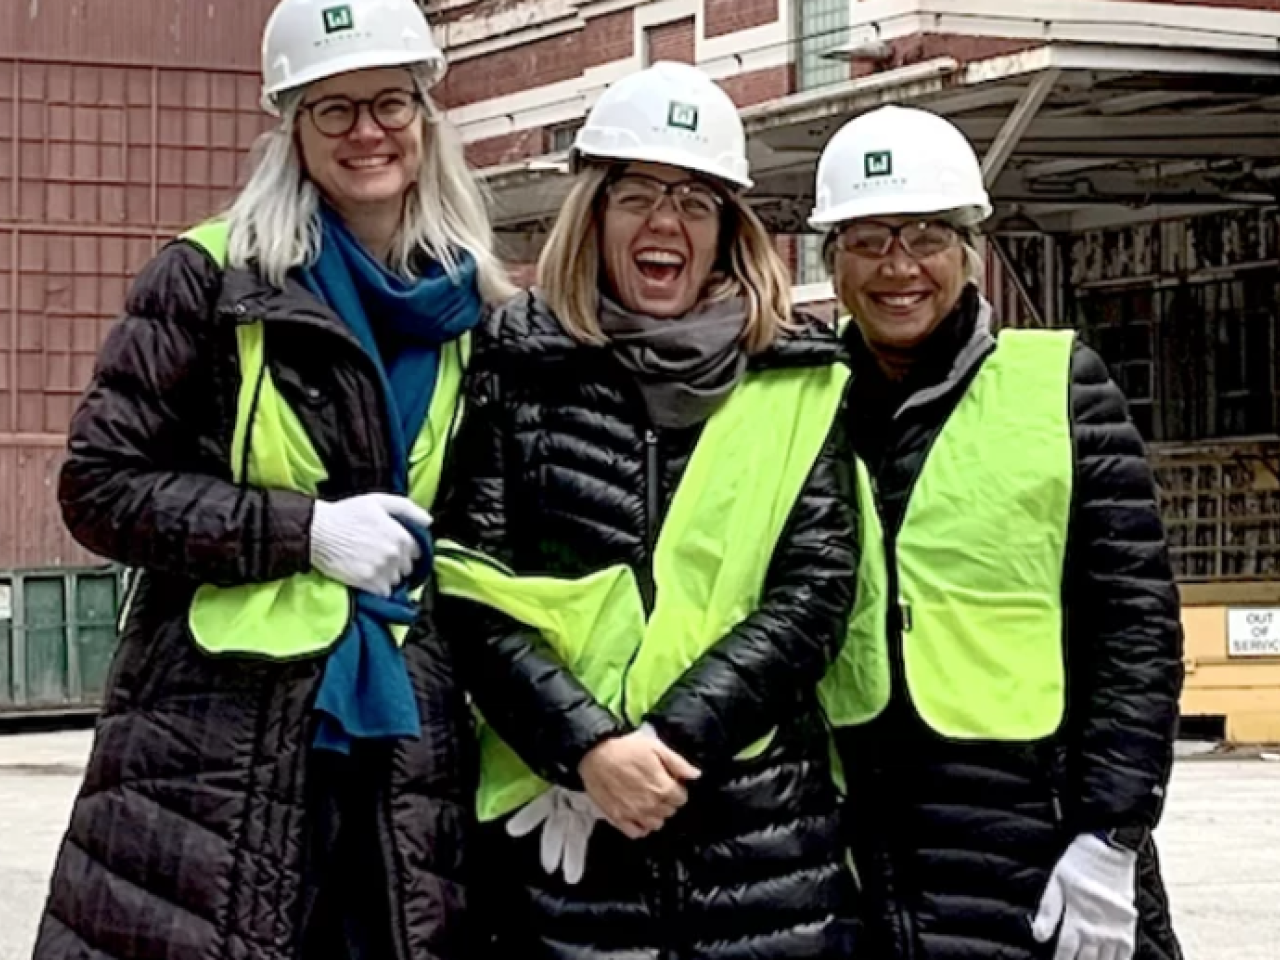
[684, 367]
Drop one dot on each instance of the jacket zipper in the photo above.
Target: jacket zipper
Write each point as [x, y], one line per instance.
[662, 868]
[651, 510]
[897, 623]
[644, 576]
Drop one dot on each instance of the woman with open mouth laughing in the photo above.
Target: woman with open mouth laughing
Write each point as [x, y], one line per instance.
[651, 564]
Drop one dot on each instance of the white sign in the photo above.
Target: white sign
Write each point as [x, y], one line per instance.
[1253, 632]
[6, 602]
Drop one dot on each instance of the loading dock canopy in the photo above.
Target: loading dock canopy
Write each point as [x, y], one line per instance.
[1112, 112]
[1063, 130]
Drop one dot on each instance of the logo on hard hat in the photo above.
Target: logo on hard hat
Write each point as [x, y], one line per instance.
[683, 115]
[337, 18]
[878, 164]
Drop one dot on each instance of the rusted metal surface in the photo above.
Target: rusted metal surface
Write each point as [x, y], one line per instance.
[201, 34]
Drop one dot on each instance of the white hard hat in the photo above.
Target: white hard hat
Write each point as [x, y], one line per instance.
[309, 40]
[670, 113]
[898, 161]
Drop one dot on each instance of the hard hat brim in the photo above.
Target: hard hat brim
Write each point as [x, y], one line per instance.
[976, 209]
[671, 158]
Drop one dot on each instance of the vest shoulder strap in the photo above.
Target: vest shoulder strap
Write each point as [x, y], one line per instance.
[1036, 344]
[213, 237]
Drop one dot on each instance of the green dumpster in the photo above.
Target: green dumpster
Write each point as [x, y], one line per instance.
[57, 637]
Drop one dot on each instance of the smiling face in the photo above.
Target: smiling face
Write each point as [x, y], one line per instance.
[896, 299]
[368, 167]
[659, 250]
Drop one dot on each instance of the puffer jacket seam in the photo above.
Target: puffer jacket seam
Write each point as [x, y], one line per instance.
[225, 926]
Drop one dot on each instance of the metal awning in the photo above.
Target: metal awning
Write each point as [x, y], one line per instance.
[1064, 130]
[1074, 133]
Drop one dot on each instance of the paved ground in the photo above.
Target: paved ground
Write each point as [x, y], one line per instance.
[1220, 842]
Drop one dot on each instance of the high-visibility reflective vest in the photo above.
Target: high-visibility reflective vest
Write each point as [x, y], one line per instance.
[305, 614]
[709, 565]
[978, 561]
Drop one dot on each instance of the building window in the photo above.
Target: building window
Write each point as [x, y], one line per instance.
[560, 137]
[823, 25]
[809, 266]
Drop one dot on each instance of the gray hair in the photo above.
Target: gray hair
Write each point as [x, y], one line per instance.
[273, 225]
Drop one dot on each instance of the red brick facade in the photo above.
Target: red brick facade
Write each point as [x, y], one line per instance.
[496, 151]
[513, 70]
[608, 38]
[671, 41]
[728, 16]
[748, 89]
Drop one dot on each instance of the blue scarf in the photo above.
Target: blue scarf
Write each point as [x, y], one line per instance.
[401, 324]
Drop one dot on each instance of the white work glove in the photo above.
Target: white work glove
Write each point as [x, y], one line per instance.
[567, 819]
[362, 543]
[1091, 895]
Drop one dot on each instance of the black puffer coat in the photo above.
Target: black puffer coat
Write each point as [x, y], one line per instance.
[955, 841]
[205, 829]
[563, 476]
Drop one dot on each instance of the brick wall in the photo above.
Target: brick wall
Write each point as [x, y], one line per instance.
[608, 38]
[496, 151]
[514, 70]
[727, 16]
[670, 41]
[748, 89]
[604, 39]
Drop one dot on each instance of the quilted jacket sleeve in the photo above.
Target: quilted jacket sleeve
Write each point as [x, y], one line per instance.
[748, 682]
[1124, 641]
[522, 688]
[138, 484]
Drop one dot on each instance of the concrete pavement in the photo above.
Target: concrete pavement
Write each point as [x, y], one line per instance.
[1220, 842]
[39, 777]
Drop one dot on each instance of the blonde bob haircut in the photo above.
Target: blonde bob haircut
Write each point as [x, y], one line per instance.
[273, 225]
[747, 265]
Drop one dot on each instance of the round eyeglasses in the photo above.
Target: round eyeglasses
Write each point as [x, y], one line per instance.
[640, 195]
[873, 240]
[337, 115]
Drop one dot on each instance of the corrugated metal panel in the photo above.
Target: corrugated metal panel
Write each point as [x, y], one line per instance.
[59, 293]
[31, 529]
[111, 147]
[204, 34]
[121, 123]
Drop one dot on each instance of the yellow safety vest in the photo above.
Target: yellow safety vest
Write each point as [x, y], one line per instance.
[305, 614]
[709, 566]
[979, 561]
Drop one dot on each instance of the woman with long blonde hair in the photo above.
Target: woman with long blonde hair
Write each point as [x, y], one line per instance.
[281, 769]
[647, 562]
